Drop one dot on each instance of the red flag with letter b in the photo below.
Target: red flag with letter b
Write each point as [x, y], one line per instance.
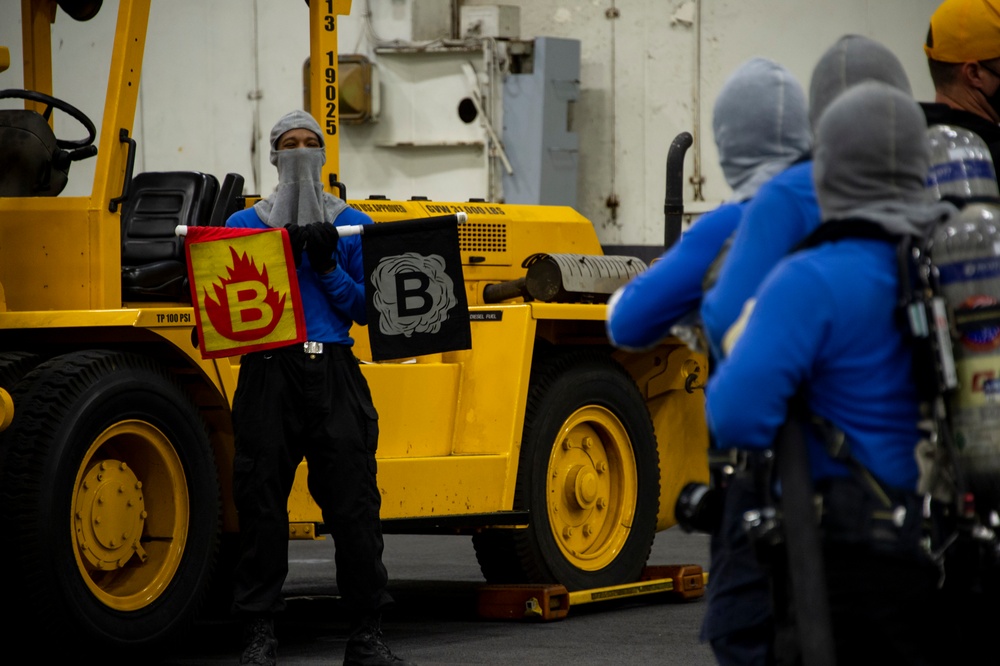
[244, 289]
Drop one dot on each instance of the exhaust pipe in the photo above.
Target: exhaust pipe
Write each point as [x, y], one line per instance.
[673, 204]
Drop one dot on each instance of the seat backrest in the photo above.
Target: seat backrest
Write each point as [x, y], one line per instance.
[229, 201]
[27, 154]
[157, 204]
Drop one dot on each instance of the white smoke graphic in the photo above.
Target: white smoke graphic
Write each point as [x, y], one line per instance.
[427, 290]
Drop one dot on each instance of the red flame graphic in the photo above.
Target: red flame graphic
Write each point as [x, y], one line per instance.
[242, 300]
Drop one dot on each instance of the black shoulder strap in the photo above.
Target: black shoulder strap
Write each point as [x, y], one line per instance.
[805, 554]
[832, 231]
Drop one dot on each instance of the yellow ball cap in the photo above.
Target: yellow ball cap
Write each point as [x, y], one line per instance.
[964, 31]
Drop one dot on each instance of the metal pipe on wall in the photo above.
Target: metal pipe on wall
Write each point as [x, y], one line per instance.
[696, 177]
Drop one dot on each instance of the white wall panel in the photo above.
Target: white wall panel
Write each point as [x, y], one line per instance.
[195, 106]
[218, 74]
[640, 72]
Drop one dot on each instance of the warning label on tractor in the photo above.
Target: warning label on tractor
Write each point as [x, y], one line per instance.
[379, 207]
[489, 315]
[471, 209]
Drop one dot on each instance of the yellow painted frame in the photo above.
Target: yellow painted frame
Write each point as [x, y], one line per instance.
[450, 448]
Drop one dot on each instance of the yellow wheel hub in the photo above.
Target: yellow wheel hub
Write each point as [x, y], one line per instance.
[110, 513]
[131, 515]
[591, 488]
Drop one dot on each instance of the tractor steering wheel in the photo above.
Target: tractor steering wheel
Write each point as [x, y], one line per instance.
[53, 103]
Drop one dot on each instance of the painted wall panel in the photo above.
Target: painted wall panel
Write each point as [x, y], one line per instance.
[218, 74]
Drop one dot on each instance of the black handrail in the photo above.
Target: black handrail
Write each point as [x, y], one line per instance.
[123, 137]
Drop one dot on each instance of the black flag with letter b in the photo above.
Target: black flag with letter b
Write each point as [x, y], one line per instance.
[414, 288]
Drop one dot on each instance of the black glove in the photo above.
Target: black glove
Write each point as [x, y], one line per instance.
[297, 239]
[321, 246]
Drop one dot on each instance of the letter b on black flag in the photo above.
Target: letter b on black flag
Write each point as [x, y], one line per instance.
[414, 288]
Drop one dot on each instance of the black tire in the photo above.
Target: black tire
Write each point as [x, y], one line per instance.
[588, 476]
[111, 494]
[496, 553]
[14, 365]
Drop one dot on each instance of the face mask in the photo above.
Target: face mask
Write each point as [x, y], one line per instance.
[298, 199]
[994, 99]
[300, 165]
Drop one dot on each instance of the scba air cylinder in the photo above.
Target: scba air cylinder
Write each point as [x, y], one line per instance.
[961, 165]
[966, 250]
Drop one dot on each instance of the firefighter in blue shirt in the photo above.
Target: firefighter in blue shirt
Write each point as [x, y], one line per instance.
[780, 215]
[825, 326]
[309, 401]
[761, 127]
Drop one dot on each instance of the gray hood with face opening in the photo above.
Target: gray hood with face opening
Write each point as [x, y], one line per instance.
[299, 197]
[760, 125]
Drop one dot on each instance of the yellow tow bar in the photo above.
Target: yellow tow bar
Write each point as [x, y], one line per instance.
[679, 582]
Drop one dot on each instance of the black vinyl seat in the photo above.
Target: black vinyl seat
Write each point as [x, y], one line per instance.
[230, 199]
[153, 261]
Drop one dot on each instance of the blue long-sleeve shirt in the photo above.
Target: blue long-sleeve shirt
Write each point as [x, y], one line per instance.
[825, 320]
[331, 303]
[641, 313]
[782, 213]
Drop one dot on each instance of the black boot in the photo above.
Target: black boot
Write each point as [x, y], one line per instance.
[261, 647]
[365, 647]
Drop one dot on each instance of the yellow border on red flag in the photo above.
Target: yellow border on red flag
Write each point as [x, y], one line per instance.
[245, 290]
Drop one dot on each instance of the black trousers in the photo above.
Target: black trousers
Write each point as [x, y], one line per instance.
[881, 606]
[289, 405]
[882, 609]
[739, 620]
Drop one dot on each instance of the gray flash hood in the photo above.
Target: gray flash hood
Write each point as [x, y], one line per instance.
[760, 125]
[851, 60]
[299, 197]
[871, 160]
